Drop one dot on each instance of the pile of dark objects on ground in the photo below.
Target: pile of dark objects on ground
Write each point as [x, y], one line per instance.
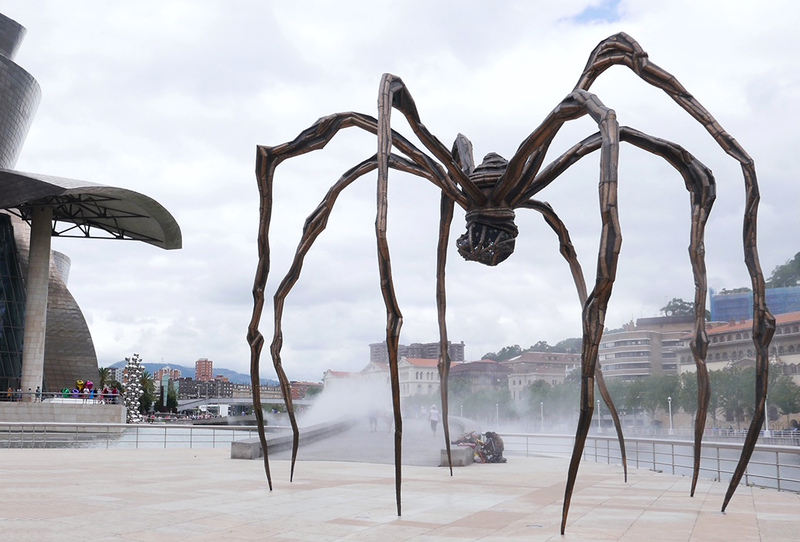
[487, 447]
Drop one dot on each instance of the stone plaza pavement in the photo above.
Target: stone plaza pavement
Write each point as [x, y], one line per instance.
[203, 495]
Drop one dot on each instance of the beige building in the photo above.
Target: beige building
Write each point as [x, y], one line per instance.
[646, 348]
[528, 367]
[731, 344]
[483, 375]
[417, 376]
[378, 352]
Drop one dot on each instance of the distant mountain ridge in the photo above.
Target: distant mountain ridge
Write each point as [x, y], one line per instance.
[233, 376]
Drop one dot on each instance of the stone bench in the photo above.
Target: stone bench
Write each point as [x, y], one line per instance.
[461, 456]
[251, 448]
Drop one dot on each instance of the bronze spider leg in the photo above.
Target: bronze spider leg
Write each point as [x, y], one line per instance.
[568, 252]
[394, 93]
[458, 163]
[463, 158]
[701, 185]
[622, 49]
[523, 164]
[446, 208]
[528, 156]
[268, 158]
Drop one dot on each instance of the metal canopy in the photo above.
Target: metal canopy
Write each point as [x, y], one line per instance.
[89, 210]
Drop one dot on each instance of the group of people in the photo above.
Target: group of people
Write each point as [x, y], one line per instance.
[82, 390]
[29, 397]
[87, 392]
[486, 448]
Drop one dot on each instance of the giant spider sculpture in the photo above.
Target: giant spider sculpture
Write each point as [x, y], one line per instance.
[490, 194]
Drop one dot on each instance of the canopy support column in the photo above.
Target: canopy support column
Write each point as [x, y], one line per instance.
[38, 282]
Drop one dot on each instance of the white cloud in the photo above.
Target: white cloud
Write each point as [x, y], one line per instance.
[171, 98]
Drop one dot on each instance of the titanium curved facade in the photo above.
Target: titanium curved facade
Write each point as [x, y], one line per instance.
[19, 94]
[69, 351]
[45, 340]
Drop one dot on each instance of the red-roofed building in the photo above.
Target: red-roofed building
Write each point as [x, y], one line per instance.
[528, 367]
[299, 389]
[731, 344]
[483, 375]
[332, 378]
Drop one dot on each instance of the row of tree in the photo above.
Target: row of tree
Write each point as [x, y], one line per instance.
[731, 401]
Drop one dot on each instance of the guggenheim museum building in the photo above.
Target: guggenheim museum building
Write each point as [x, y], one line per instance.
[44, 339]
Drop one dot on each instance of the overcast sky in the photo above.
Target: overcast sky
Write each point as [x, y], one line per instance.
[170, 98]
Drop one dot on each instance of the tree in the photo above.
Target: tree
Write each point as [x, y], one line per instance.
[313, 391]
[172, 398]
[734, 390]
[679, 307]
[569, 346]
[507, 352]
[104, 375]
[686, 396]
[536, 393]
[787, 274]
[149, 389]
[541, 346]
[784, 394]
[714, 401]
[562, 403]
[458, 388]
[656, 393]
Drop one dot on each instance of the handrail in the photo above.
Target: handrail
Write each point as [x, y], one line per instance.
[771, 466]
[120, 435]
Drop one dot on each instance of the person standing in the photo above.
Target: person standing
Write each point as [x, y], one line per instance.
[38, 394]
[433, 417]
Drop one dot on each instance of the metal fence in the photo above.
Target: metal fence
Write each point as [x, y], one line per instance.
[87, 435]
[771, 466]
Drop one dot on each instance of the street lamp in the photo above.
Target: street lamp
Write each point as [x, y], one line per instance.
[497, 414]
[767, 434]
[599, 427]
[669, 402]
[462, 411]
[541, 410]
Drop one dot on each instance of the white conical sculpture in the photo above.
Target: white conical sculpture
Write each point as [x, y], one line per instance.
[132, 382]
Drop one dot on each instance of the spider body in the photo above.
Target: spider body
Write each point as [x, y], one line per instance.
[491, 232]
[491, 194]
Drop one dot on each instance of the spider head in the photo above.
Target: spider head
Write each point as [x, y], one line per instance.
[490, 236]
[491, 232]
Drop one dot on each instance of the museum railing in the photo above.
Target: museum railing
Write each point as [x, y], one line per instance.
[771, 466]
[145, 435]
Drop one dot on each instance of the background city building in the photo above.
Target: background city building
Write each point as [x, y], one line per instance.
[378, 352]
[528, 367]
[483, 376]
[737, 305]
[203, 370]
[645, 348]
[730, 344]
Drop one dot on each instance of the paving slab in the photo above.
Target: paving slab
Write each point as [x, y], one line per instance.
[203, 495]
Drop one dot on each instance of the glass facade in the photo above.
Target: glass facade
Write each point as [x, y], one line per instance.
[730, 307]
[12, 308]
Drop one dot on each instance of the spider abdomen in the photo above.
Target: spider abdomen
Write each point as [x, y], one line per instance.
[491, 231]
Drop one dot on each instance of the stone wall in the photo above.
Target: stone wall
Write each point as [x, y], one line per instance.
[62, 413]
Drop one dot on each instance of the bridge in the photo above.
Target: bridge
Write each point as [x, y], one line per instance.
[238, 403]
